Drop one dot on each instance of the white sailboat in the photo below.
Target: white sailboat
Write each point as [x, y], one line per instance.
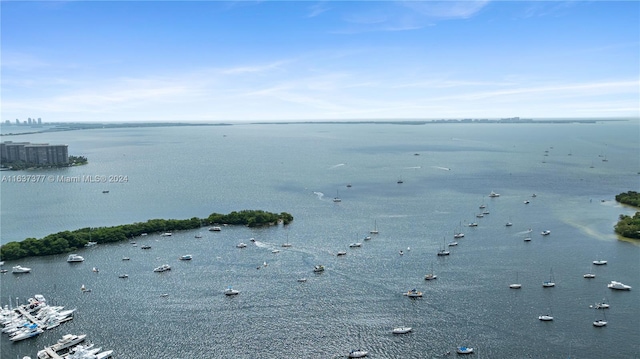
[549, 283]
[337, 197]
[375, 228]
[601, 322]
[431, 275]
[515, 285]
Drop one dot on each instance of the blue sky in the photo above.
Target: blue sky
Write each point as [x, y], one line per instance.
[212, 61]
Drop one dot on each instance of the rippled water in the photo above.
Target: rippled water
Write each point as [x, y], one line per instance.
[193, 171]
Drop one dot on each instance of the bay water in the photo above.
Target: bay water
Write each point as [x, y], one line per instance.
[447, 171]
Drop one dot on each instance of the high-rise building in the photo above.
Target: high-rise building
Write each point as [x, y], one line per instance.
[34, 153]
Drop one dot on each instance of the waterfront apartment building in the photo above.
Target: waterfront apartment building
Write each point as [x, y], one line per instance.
[34, 153]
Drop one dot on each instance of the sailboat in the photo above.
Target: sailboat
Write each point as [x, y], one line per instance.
[337, 197]
[430, 275]
[549, 283]
[375, 228]
[515, 285]
[589, 274]
[601, 322]
[443, 251]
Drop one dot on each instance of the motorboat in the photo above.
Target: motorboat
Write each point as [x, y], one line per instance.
[145, 247]
[473, 224]
[231, 291]
[515, 286]
[29, 332]
[341, 253]
[104, 355]
[123, 276]
[413, 293]
[430, 276]
[318, 268]
[464, 350]
[186, 257]
[162, 268]
[20, 269]
[545, 232]
[600, 262]
[75, 258]
[90, 244]
[67, 341]
[302, 280]
[494, 195]
[126, 258]
[618, 286]
[527, 239]
[275, 251]
[241, 245]
[199, 235]
[588, 275]
[215, 229]
[526, 202]
[401, 330]
[286, 245]
[458, 235]
[95, 269]
[355, 245]
[166, 234]
[545, 318]
[358, 353]
[508, 224]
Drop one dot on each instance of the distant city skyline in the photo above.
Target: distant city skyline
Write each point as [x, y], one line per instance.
[215, 61]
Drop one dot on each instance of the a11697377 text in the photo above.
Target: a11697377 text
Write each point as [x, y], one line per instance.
[39, 178]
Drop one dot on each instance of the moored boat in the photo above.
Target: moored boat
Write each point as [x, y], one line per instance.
[20, 269]
[618, 285]
[401, 330]
[358, 353]
[464, 350]
[75, 258]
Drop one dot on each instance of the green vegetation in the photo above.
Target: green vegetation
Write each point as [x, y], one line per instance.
[67, 241]
[21, 165]
[629, 226]
[632, 198]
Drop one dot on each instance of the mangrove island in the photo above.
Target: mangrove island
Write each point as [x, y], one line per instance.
[68, 241]
[628, 226]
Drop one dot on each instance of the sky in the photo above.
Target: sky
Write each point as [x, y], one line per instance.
[216, 61]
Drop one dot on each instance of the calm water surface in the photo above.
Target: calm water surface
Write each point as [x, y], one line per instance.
[447, 173]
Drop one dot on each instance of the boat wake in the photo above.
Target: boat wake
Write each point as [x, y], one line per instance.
[442, 168]
[319, 194]
[336, 166]
[413, 168]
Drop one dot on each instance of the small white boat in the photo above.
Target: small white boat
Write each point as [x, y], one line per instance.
[527, 239]
[90, 244]
[600, 262]
[123, 276]
[401, 330]
[526, 202]
[337, 198]
[443, 252]
[355, 245]
[375, 228]
[241, 245]
[458, 235]
[517, 284]
[600, 323]
[452, 244]
[545, 318]
[286, 245]
[215, 229]
[508, 224]
[231, 291]
[318, 268]
[199, 235]
[545, 232]
[413, 293]
[302, 280]
[162, 268]
[186, 257]
[464, 350]
[366, 238]
[588, 275]
[275, 251]
[358, 353]
[166, 234]
[126, 258]
[20, 269]
[95, 270]
[618, 286]
[549, 283]
[493, 194]
[341, 253]
[146, 246]
[472, 224]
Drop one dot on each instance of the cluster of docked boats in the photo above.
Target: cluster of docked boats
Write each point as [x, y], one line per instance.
[33, 318]
[70, 347]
